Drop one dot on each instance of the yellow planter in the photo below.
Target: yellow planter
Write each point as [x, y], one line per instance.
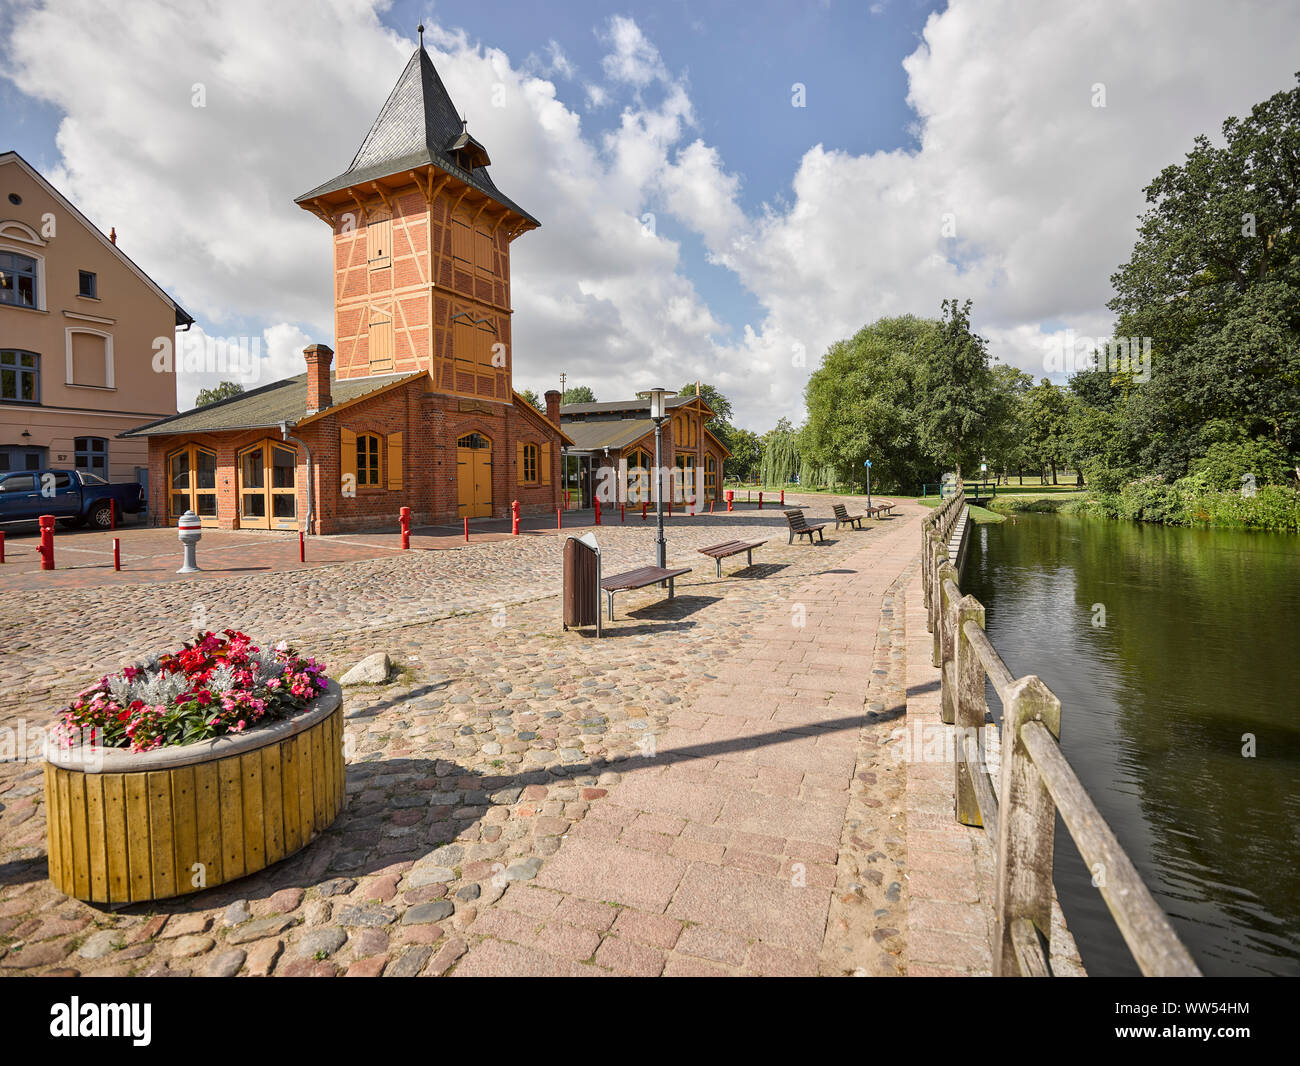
[126, 827]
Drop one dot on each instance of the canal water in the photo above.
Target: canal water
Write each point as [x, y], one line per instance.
[1173, 651]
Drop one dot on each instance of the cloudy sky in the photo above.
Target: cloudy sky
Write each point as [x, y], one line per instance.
[724, 189]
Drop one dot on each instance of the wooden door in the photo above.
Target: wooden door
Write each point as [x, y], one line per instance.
[474, 476]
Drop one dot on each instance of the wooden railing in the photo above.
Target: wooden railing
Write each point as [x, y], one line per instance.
[1035, 782]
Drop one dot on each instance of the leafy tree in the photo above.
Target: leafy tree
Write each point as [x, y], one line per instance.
[1046, 422]
[862, 405]
[1214, 281]
[534, 400]
[955, 390]
[1003, 437]
[224, 391]
[780, 454]
[578, 394]
[746, 454]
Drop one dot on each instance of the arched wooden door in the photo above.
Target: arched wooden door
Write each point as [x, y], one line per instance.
[474, 476]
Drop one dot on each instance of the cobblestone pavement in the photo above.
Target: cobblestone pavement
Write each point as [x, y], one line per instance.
[702, 790]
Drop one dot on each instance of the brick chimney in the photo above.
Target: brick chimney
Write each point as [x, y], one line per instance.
[553, 406]
[319, 359]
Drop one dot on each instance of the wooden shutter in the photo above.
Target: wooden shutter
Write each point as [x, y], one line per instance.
[348, 455]
[544, 464]
[462, 240]
[485, 252]
[381, 341]
[394, 462]
[523, 470]
[379, 242]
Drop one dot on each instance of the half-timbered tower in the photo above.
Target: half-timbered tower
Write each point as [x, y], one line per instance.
[414, 406]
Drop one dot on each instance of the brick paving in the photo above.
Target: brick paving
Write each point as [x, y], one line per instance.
[709, 789]
[950, 923]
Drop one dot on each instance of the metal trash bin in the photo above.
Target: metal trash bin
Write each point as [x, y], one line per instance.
[582, 582]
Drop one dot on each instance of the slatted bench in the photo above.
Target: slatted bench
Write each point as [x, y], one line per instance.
[883, 507]
[799, 525]
[639, 579]
[843, 518]
[718, 552]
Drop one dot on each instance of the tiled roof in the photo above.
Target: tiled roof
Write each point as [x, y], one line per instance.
[618, 405]
[607, 433]
[418, 126]
[280, 401]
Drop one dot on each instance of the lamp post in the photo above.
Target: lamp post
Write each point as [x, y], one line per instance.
[658, 407]
[867, 464]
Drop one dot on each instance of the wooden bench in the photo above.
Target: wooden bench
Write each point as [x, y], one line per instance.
[718, 552]
[843, 518]
[639, 579]
[883, 507]
[799, 525]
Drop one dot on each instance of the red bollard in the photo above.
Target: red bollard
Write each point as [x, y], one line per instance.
[670, 507]
[112, 514]
[622, 512]
[760, 501]
[559, 518]
[711, 506]
[117, 553]
[597, 503]
[46, 549]
[302, 548]
[514, 518]
[2, 546]
[466, 530]
[405, 520]
[783, 497]
[643, 510]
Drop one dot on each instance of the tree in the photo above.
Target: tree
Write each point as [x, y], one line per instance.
[1046, 419]
[746, 454]
[954, 394]
[534, 400]
[1214, 283]
[862, 405]
[578, 394]
[780, 454]
[1003, 436]
[224, 391]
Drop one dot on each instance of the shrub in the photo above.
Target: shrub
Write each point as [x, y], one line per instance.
[1226, 462]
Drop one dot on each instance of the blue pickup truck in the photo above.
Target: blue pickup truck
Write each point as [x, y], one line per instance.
[72, 497]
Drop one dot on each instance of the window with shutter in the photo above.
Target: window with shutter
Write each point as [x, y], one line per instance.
[379, 242]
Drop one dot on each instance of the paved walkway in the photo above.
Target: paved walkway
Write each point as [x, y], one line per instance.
[711, 787]
[722, 852]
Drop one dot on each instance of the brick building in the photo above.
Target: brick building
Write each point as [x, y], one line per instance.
[417, 407]
[612, 445]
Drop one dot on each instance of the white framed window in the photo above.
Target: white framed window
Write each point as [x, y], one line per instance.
[89, 357]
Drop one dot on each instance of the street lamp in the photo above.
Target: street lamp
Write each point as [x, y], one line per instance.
[658, 412]
[867, 464]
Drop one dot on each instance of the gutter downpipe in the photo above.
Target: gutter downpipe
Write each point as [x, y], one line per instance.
[311, 479]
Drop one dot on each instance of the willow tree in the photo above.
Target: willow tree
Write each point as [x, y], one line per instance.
[780, 454]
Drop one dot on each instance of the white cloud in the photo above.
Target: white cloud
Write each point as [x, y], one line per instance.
[1043, 188]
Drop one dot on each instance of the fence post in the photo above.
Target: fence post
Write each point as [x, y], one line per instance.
[943, 646]
[948, 647]
[1026, 823]
[970, 710]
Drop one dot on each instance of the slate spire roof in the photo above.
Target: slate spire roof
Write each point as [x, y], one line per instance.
[418, 126]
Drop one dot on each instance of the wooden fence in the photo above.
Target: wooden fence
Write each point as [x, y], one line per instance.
[1035, 782]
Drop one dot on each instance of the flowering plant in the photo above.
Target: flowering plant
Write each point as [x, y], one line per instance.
[215, 684]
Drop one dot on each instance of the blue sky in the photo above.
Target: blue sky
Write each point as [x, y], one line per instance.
[950, 149]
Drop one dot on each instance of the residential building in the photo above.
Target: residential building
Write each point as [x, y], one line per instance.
[80, 325]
